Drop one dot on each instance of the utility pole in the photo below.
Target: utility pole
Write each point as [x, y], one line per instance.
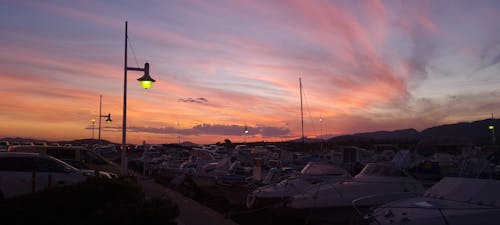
[492, 129]
[302, 116]
[93, 123]
[321, 133]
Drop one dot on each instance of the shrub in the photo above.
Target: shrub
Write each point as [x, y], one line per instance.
[96, 201]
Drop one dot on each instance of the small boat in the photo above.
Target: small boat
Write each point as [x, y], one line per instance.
[453, 200]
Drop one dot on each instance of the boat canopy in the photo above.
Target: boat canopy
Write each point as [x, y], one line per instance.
[470, 190]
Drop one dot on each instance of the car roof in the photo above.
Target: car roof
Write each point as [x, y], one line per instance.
[20, 154]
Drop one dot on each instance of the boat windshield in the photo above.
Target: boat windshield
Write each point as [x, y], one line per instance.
[375, 169]
[322, 169]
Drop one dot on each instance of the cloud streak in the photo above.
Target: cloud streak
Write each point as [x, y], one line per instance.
[213, 129]
[193, 100]
[383, 64]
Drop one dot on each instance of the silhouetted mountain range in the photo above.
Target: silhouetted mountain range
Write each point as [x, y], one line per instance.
[477, 132]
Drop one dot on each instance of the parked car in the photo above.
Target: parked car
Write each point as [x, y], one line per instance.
[106, 150]
[3, 146]
[24, 173]
[76, 154]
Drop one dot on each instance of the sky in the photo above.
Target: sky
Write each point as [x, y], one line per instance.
[221, 66]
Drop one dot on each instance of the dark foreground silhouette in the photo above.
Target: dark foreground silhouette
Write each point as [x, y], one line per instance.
[97, 201]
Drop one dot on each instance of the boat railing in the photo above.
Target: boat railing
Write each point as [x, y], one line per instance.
[440, 209]
[379, 199]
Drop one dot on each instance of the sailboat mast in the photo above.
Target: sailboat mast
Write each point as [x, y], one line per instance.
[302, 115]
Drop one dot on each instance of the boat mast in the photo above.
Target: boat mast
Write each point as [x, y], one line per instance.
[302, 116]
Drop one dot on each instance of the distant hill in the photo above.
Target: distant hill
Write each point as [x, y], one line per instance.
[397, 134]
[306, 140]
[189, 144]
[477, 132]
[73, 142]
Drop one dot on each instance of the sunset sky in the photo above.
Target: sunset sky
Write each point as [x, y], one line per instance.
[365, 66]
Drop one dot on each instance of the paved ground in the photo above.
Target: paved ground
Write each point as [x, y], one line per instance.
[191, 212]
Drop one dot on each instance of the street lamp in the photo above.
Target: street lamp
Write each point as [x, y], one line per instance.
[146, 83]
[245, 134]
[492, 129]
[93, 123]
[321, 133]
[108, 118]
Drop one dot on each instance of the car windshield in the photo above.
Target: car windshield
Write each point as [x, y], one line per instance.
[76, 164]
[55, 165]
[92, 158]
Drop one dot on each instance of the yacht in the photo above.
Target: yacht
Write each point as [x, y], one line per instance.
[312, 175]
[451, 201]
[376, 184]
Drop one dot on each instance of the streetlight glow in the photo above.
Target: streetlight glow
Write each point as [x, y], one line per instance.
[146, 80]
[108, 120]
[146, 84]
[491, 127]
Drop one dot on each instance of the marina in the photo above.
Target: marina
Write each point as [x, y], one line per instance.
[234, 112]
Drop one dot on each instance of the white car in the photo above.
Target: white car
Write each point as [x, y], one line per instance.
[24, 173]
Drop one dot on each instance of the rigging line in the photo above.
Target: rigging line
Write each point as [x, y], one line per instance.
[133, 52]
[310, 115]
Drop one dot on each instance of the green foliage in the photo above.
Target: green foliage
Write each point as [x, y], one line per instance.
[97, 201]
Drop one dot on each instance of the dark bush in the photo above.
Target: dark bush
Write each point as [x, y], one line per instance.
[97, 201]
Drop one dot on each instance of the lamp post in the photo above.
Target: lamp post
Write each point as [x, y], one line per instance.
[321, 133]
[492, 129]
[108, 118]
[245, 134]
[146, 82]
[93, 123]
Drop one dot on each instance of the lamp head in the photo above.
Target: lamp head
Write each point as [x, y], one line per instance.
[491, 127]
[108, 120]
[146, 80]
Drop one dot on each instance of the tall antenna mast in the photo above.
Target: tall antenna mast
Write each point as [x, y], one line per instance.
[302, 116]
